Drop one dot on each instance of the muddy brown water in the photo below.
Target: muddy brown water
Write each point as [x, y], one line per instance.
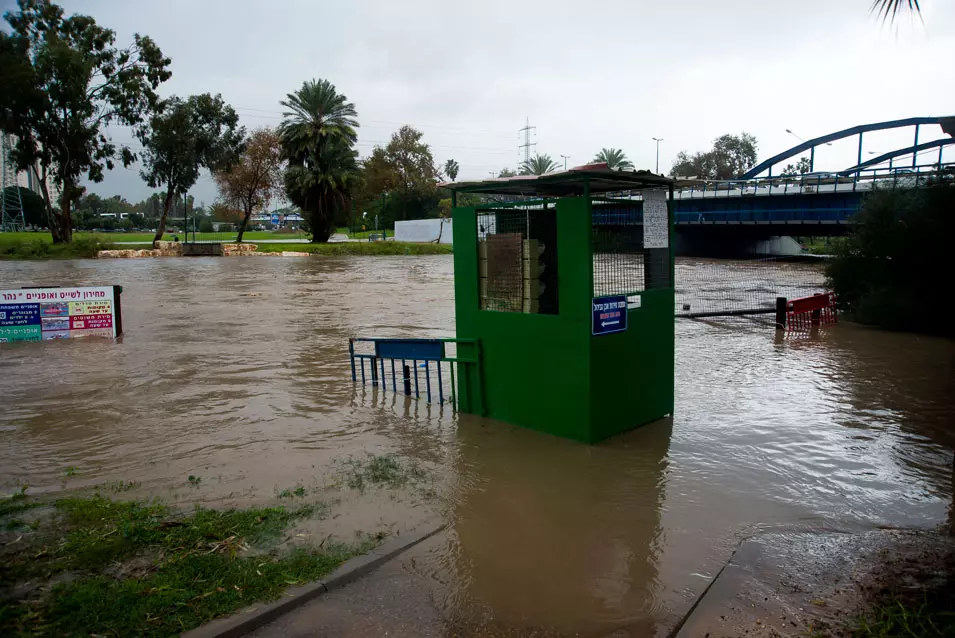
[236, 371]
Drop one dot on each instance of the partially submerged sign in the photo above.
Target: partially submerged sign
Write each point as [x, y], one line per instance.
[609, 315]
[34, 314]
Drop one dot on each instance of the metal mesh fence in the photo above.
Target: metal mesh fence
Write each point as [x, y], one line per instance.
[713, 287]
[622, 265]
[517, 253]
[518, 265]
[226, 233]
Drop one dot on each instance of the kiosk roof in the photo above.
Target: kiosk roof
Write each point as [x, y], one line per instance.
[599, 177]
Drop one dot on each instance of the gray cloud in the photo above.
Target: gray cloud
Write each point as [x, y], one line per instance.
[586, 74]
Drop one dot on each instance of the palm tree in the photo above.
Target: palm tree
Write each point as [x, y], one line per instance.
[888, 10]
[451, 169]
[317, 114]
[615, 159]
[538, 165]
[318, 134]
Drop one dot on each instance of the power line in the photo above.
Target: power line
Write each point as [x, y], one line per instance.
[372, 123]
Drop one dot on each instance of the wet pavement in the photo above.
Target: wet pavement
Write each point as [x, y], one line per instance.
[236, 371]
[788, 584]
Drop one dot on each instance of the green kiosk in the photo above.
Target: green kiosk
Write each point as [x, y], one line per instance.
[564, 292]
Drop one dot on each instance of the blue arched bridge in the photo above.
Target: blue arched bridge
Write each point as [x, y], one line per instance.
[714, 217]
[814, 203]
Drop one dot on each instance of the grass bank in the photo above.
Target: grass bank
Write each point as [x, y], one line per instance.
[359, 248]
[122, 237]
[923, 605]
[95, 566]
[363, 234]
[932, 615]
[85, 245]
[37, 246]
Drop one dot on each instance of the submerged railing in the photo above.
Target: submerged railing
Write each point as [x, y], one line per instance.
[425, 356]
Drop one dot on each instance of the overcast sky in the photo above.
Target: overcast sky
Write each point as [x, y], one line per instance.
[586, 74]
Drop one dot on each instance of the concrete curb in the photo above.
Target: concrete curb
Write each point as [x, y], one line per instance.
[254, 617]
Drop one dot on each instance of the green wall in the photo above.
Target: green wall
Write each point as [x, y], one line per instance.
[547, 372]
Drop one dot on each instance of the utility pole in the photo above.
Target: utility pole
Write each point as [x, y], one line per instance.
[527, 139]
[12, 217]
[657, 140]
[565, 160]
[185, 217]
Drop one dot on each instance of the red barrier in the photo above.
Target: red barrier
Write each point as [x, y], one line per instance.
[804, 314]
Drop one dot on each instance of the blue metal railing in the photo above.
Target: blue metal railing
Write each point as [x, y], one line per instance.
[827, 198]
[423, 355]
[815, 183]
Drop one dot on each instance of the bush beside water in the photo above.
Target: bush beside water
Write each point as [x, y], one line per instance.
[895, 269]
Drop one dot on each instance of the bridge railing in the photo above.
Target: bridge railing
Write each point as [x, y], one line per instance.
[417, 366]
[816, 183]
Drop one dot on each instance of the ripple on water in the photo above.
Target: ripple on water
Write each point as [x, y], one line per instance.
[236, 370]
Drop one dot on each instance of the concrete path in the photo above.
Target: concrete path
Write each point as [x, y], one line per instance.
[775, 585]
[391, 601]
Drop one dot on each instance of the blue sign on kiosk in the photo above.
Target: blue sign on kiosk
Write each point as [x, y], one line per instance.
[609, 315]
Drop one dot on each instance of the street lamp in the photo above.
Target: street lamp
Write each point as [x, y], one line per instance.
[565, 160]
[657, 140]
[879, 153]
[812, 151]
[802, 140]
[794, 135]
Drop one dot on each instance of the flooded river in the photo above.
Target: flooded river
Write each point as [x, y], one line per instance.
[235, 371]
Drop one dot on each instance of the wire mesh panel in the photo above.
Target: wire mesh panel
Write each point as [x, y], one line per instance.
[517, 253]
[743, 286]
[622, 264]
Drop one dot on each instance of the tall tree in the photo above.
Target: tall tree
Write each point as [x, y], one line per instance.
[318, 138]
[451, 169]
[252, 181]
[730, 156]
[181, 138]
[404, 169]
[538, 165]
[223, 212]
[64, 81]
[615, 159]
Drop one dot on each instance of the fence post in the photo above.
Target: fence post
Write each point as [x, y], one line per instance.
[407, 380]
[374, 371]
[816, 314]
[781, 303]
[351, 355]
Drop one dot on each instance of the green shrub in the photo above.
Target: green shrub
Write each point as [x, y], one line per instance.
[894, 270]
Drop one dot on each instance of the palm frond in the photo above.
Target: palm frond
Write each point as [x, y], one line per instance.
[888, 10]
[615, 158]
[538, 165]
